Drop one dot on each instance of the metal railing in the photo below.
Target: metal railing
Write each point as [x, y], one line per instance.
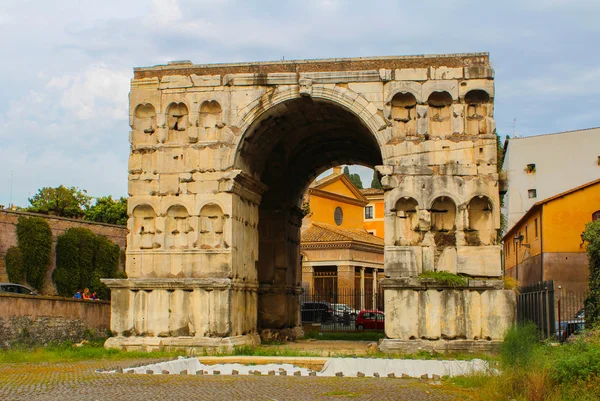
[340, 310]
[556, 313]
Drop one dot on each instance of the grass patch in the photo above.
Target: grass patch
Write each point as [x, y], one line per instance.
[445, 278]
[531, 370]
[341, 393]
[65, 352]
[352, 336]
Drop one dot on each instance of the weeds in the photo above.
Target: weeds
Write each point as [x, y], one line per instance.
[445, 278]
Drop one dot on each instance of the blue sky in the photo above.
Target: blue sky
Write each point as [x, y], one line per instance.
[66, 65]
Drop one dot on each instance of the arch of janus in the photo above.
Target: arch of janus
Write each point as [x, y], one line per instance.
[221, 155]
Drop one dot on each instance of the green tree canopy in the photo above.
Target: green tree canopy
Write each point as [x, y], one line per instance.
[592, 303]
[354, 178]
[108, 210]
[60, 201]
[375, 181]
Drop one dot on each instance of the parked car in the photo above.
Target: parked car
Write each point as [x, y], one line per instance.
[370, 320]
[340, 309]
[572, 326]
[15, 289]
[318, 312]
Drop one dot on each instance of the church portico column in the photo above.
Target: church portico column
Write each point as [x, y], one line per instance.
[374, 289]
[362, 288]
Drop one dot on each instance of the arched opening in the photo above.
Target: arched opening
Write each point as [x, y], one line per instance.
[406, 227]
[477, 101]
[144, 228]
[404, 114]
[177, 122]
[440, 113]
[481, 229]
[443, 228]
[288, 146]
[210, 120]
[177, 227]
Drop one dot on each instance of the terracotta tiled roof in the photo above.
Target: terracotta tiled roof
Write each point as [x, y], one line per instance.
[320, 232]
[371, 191]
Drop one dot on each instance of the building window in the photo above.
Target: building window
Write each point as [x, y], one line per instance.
[338, 216]
[532, 193]
[526, 235]
[530, 168]
[369, 212]
[596, 215]
[536, 228]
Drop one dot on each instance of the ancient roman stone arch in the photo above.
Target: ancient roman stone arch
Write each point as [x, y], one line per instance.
[222, 154]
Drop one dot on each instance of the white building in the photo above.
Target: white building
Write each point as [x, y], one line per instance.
[542, 166]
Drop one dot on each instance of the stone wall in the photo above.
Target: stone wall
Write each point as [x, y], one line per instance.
[41, 320]
[58, 225]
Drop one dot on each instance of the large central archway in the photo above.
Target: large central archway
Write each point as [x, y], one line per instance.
[286, 147]
[221, 154]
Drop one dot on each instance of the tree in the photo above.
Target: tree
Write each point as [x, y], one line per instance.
[592, 302]
[34, 238]
[108, 210]
[375, 181]
[60, 201]
[354, 178]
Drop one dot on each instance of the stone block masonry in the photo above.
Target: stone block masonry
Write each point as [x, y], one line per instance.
[222, 154]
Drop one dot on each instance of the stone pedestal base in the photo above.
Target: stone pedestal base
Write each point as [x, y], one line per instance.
[413, 346]
[190, 344]
[425, 314]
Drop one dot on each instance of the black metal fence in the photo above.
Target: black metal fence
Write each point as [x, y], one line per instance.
[343, 310]
[557, 313]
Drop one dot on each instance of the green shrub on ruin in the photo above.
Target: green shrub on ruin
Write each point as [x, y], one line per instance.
[82, 259]
[34, 237]
[14, 265]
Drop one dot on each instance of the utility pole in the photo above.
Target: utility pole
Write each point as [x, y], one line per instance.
[11, 180]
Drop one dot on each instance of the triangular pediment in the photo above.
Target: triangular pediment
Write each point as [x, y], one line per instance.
[341, 185]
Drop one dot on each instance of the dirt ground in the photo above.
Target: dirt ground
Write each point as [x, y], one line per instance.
[329, 348]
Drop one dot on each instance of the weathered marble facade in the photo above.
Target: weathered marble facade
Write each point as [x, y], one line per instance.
[222, 154]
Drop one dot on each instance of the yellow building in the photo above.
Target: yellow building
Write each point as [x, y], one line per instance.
[546, 243]
[374, 211]
[338, 255]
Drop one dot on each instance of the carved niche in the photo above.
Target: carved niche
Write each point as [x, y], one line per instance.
[177, 227]
[212, 222]
[407, 222]
[404, 114]
[177, 122]
[478, 105]
[144, 118]
[210, 120]
[481, 229]
[144, 228]
[439, 110]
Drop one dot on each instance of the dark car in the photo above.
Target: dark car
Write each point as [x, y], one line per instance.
[11, 288]
[319, 312]
[572, 326]
[370, 320]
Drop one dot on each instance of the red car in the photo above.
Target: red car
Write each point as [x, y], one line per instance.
[370, 320]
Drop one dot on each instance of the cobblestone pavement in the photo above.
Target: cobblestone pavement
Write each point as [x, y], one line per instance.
[79, 381]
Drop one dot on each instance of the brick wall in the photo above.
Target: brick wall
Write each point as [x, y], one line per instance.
[58, 225]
